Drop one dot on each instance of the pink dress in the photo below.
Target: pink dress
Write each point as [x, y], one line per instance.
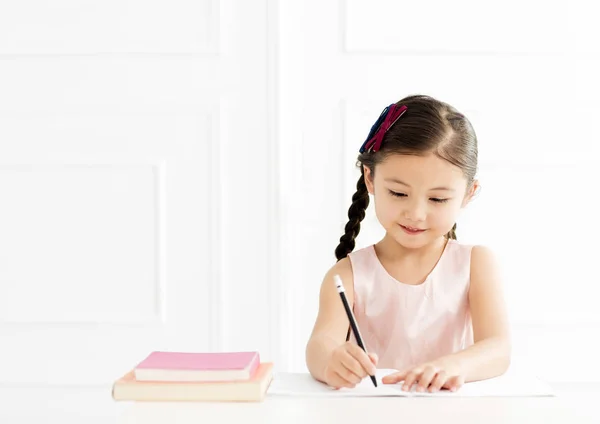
[406, 325]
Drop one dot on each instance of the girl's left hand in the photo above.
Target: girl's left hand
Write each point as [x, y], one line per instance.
[431, 376]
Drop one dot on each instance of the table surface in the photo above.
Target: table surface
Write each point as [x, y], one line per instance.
[572, 404]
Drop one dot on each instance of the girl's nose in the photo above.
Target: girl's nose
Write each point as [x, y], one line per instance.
[416, 211]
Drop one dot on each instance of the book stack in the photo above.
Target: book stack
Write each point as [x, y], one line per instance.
[191, 376]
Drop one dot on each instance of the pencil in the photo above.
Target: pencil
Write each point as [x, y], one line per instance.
[340, 288]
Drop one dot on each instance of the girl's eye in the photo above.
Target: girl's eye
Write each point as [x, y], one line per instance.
[433, 199]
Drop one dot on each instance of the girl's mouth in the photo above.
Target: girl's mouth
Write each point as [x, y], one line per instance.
[411, 230]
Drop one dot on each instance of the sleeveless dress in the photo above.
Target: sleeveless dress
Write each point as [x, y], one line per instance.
[406, 325]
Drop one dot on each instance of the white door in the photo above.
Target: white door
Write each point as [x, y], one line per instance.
[134, 184]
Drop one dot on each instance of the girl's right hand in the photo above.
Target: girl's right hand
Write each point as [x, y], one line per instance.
[348, 364]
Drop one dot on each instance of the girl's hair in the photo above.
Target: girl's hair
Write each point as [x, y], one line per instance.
[427, 126]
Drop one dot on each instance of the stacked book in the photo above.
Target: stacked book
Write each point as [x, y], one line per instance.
[191, 376]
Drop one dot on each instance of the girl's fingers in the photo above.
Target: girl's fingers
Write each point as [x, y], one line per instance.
[364, 360]
[374, 358]
[438, 381]
[426, 378]
[454, 383]
[394, 378]
[339, 376]
[354, 367]
[337, 382]
[411, 378]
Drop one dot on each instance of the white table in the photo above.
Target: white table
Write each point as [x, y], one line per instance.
[573, 404]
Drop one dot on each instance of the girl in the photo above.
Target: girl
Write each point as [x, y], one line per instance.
[427, 306]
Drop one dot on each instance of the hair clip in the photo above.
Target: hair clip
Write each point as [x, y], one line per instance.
[388, 117]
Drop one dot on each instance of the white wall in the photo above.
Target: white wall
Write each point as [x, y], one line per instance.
[136, 181]
[525, 74]
[176, 174]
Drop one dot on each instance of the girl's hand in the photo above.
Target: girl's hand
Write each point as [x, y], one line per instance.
[431, 376]
[348, 364]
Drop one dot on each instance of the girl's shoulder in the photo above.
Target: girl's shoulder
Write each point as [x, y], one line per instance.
[343, 269]
[476, 253]
[457, 253]
[456, 260]
[483, 258]
[362, 252]
[469, 252]
[482, 263]
[459, 245]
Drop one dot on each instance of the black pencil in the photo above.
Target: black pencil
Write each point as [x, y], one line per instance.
[340, 288]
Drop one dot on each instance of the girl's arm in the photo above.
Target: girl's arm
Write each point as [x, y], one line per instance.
[490, 355]
[331, 325]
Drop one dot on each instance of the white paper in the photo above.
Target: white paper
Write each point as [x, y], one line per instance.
[303, 384]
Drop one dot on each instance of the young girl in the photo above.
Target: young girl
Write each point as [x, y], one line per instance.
[426, 305]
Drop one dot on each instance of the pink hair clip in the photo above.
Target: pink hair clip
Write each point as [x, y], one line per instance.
[388, 117]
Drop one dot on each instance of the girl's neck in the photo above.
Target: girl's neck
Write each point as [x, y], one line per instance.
[390, 248]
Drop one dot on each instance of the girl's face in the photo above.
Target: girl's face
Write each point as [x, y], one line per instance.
[417, 198]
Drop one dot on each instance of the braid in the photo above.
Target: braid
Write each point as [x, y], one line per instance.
[356, 213]
[452, 233]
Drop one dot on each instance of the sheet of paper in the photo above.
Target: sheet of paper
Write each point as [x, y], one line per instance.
[301, 384]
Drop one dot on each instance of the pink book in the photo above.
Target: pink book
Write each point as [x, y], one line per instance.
[191, 366]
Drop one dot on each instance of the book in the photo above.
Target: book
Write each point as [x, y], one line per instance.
[192, 366]
[128, 388]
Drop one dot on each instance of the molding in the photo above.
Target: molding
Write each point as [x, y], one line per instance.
[276, 290]
[215, 280]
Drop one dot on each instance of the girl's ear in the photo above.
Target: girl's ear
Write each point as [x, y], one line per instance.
[473, 190]
[368, 179]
